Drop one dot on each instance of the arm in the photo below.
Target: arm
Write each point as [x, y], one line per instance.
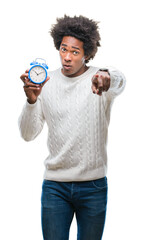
[31, 120]
[117, 83]
[111, 81]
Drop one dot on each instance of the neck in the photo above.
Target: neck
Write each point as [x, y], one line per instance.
[83, 69]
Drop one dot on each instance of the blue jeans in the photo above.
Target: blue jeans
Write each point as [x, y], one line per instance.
[60, 200]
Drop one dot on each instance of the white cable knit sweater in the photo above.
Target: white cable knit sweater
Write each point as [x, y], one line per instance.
[77, 121]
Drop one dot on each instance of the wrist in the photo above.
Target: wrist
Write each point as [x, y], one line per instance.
[104, 70]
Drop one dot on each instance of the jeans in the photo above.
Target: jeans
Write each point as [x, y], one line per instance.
[61, 200]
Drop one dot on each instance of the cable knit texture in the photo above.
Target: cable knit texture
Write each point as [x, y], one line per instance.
[77, 123]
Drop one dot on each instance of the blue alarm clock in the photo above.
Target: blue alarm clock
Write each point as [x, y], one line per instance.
[38, 71]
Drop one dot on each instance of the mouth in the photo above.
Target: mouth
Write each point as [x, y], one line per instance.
[67, 67]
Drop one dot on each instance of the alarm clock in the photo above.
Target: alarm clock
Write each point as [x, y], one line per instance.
[38, 72]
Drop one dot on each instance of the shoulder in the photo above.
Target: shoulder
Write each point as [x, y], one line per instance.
[92, 71]
[53, 73]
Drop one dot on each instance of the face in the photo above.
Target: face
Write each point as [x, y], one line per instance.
[72, 56]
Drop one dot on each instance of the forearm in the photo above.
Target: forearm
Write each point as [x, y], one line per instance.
[117, 83]
[31, 120]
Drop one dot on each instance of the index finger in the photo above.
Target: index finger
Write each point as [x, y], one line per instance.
[100, 83]
[94, 78]
[24, 76]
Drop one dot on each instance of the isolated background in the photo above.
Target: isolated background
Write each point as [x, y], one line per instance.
[25, 35]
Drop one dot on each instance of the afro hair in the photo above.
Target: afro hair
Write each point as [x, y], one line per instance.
[82, 28]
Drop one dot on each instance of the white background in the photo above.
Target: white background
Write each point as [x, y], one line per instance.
[25, 35]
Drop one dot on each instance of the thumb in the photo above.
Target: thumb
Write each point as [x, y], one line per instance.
[48, 78]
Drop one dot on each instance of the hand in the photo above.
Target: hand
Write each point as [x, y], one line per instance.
[32, 90]
[100, 82]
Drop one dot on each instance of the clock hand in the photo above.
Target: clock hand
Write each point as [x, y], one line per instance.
[40, 73]
[35, 72]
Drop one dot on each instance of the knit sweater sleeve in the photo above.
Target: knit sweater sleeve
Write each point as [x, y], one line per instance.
[117, 84]
[31, 120]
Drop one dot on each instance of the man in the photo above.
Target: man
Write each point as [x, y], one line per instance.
[75, 101]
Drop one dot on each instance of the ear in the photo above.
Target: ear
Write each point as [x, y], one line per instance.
[86, 58]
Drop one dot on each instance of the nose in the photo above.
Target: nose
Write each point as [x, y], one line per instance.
[67, 57]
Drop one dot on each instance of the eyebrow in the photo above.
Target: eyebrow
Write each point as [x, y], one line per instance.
[65, 45]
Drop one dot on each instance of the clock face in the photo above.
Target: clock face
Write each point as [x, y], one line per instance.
[37, 74]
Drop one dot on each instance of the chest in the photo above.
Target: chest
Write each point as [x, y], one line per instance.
[68, 102]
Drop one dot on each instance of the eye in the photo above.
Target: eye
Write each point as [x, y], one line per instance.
[75, 52]
[63, 49]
